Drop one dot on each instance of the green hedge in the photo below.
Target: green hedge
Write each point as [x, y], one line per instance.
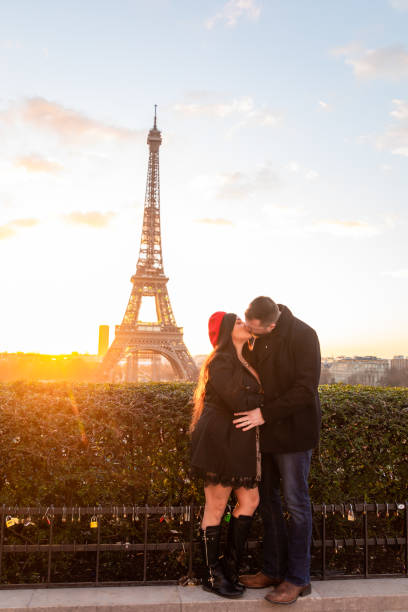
[98, 443]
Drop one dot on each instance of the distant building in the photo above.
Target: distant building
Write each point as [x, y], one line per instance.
[103, 343]
[399, 362]
[366, 370]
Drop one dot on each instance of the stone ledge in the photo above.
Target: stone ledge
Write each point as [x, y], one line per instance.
[377, 595]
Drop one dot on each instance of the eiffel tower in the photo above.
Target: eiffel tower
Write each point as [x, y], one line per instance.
[135, 340]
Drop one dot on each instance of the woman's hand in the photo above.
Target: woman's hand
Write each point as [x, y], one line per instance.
[249, 419]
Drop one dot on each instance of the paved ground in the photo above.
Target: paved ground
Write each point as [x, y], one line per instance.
[382, 595]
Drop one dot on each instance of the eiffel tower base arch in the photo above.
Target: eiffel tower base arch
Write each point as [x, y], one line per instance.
[133, 347]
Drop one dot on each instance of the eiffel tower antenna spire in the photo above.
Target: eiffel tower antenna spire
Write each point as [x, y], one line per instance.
[150, 254]
[135, 339]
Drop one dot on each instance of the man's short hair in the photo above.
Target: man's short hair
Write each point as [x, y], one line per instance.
[264, 309]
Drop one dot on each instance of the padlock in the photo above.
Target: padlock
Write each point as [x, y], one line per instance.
[94, 522]
[11, 521]
[350, 514]
[227, 517]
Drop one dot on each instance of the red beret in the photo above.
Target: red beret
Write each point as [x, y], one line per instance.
[214, 324]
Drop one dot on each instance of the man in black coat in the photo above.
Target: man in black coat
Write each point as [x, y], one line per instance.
[286, 355]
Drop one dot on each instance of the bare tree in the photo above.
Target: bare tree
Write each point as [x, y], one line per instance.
[395, 378]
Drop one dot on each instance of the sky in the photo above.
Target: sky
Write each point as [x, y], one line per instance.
[283, 168]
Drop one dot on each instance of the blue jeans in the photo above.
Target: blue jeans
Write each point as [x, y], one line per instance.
[286, 548]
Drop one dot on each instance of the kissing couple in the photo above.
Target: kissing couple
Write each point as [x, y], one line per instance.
[255, 423]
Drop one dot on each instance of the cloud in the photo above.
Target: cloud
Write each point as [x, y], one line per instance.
[391, 221]
[35, 163]
[68, 124]
[323, 105]
[401, 110]
[217, 221]
[235, 185]
[260, 182]
[9, 229]
[6, 232]
[339, 227]
[399, 5]
[6, 201]
[402, 273]
[242, 109]
[11, 44]
[295, 168]
[238, 185]
[387, 62]
[285, 212]
[93, 219]
[29, 222]
[234, 10]
[395, 138]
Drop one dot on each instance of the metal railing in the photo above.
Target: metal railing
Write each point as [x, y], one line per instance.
[15, 520]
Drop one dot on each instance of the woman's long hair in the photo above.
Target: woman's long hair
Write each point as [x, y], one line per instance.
[224, 344]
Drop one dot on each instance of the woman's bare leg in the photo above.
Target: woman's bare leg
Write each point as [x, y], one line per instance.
[216, 498]
[247, 501]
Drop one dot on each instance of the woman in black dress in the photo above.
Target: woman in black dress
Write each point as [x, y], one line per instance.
[227, 458]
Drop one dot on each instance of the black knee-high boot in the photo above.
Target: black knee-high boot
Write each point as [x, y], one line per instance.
[238, 532]
[215, 580]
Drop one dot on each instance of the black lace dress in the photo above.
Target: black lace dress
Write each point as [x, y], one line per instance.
[221, 453]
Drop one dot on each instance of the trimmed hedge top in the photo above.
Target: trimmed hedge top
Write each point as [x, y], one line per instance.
[90, 444]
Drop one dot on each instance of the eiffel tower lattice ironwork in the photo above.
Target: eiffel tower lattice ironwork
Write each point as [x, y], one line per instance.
[134, 338]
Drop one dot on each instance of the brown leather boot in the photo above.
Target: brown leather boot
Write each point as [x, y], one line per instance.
[259, 581]
[287, 593]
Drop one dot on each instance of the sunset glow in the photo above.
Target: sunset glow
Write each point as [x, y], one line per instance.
[283, 166]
